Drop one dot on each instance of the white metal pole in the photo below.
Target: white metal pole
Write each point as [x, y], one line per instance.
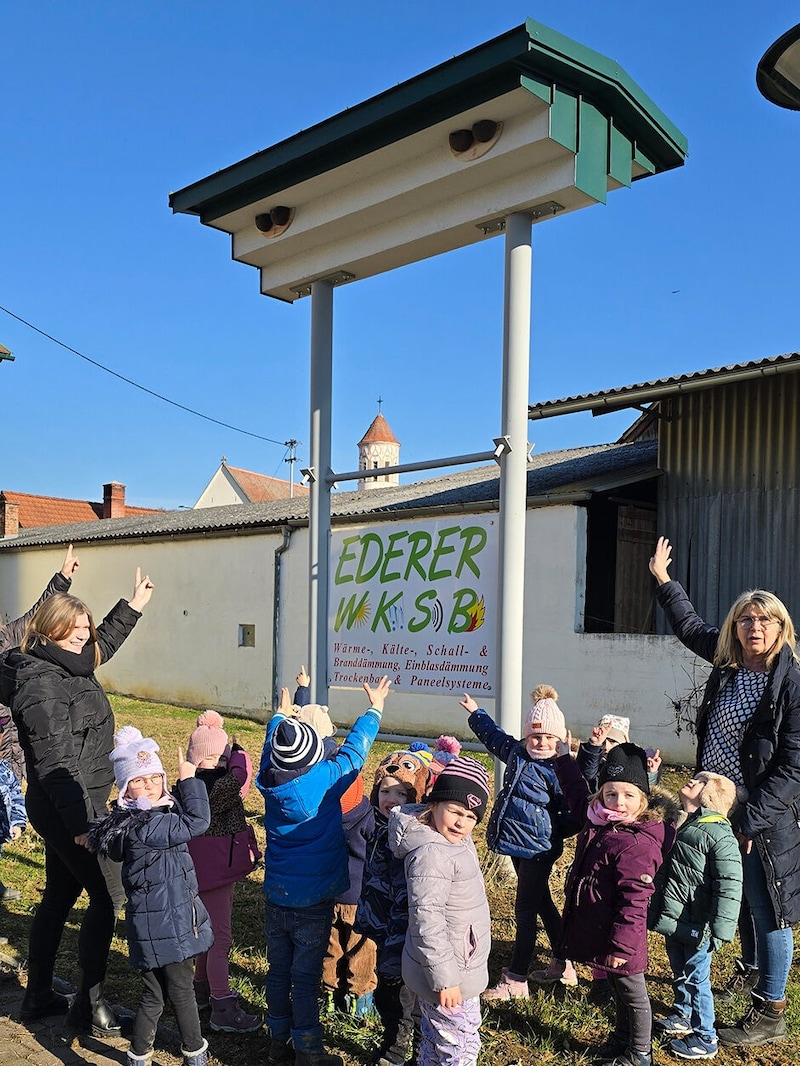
[319, 507]
[513, 470]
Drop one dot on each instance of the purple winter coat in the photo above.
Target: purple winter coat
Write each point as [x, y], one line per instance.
[611, 878]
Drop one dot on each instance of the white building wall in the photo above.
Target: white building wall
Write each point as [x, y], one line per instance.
[220, 491]
[185, 649]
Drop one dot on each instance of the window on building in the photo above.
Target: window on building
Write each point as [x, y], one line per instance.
[620, 534]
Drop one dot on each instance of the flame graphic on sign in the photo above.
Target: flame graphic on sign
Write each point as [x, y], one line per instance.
[477, 616]
[364, 610]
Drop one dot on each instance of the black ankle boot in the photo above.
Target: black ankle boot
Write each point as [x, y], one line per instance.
[90, 1013]
[764, 1023]
[41, 1000]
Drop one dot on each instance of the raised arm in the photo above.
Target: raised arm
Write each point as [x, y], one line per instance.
[660, 560]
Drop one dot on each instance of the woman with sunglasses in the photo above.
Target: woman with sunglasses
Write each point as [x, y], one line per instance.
[748, 729]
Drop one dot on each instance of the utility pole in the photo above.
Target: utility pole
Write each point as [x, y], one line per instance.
[291, 460]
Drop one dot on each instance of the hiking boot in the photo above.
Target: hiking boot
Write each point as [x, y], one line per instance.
[764, 1023]
[694, 1047]
[742, 982]
[510, 986]
[559, 971]
[202, 994]
[674, 1025]
[227, 1016]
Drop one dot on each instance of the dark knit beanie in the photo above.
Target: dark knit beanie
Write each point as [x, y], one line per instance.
[626, 763]
[295, 745]
[463, 780]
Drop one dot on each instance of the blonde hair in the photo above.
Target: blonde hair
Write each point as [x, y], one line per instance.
[718, 794]
[55, 619]
[426, 815]
[729, 650]
[643, 803]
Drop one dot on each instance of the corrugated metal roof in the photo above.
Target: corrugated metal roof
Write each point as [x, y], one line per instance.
[551, 474]
[650, 391]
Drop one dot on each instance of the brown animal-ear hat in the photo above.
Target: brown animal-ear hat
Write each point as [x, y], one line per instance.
[410, 768]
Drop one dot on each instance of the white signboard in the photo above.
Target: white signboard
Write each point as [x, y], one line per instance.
[415, 601]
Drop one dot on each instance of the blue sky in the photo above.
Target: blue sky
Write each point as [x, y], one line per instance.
[106, 108]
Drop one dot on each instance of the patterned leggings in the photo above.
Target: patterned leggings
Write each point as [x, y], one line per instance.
[450, 1035]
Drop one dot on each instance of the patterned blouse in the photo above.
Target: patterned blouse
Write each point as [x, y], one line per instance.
[733, 708]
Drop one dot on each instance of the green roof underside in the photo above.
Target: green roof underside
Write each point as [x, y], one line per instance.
[546, 63]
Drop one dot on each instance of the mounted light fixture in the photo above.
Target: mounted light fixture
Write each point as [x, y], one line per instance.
[469, 144]
[778, 72]
[276, 221]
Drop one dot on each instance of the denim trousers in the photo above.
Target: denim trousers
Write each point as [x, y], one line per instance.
[297, 939]
[774, 946]
[691, 985]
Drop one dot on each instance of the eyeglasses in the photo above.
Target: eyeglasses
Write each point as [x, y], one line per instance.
[152, 779]
[747, 621]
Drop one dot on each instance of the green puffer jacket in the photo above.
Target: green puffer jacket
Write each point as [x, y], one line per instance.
[699, 887]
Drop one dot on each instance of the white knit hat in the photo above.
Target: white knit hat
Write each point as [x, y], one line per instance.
[545, 715]
[134, 756]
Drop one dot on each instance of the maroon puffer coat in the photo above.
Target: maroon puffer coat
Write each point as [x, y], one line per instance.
[611, 879]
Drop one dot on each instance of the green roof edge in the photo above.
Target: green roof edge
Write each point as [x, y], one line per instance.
[466, 80]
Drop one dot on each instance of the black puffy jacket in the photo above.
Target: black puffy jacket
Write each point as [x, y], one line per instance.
[65, 722]
[769, 754]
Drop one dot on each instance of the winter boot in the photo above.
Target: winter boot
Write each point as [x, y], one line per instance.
[510, 986]
[279, 1052]
[41, 1000]
[8, 894]
[90, 1013]
[227, 1016]
[196, 1058]
[764, 1023]
[140, 1060]
[559, 971]
[202, 994]
[310, 1051]
[741, 983]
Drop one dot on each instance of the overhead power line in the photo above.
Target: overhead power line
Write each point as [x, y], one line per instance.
[142, 388]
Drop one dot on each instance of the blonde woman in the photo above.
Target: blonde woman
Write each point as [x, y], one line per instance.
[66, 730]
[748, 729]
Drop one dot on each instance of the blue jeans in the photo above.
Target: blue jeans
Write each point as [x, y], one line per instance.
[691, 985]
[297, 939]
[774, 946]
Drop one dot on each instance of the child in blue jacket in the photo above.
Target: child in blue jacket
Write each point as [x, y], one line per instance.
[306, 867]
[529, 821]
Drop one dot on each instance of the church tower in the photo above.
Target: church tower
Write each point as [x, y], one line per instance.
[378, 448]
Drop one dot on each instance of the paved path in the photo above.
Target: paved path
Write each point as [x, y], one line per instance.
[45, 1043]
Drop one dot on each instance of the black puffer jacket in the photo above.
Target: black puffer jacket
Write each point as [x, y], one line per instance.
[65, 722]
[769, 754]
[11, 637]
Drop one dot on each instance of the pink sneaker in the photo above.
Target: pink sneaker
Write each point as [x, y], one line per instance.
[510, 986]
[559, 971]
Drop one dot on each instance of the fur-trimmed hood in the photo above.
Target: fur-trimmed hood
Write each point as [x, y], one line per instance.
[662, 806]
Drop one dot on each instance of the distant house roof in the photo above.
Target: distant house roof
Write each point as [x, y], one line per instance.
[379, 433]
[661, 388]
[34, 512]
[553, 477]
[258, 488]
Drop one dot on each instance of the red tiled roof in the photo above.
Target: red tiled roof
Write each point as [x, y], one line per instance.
[35, 511]
[379, 432]
[260, 489]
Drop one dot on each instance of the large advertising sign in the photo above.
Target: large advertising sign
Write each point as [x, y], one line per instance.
[415, 601]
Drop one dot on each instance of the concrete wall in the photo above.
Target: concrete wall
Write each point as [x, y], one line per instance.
[185, 649]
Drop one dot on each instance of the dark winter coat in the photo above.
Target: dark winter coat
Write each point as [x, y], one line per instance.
[612, 878]
[382, 913]
[530, 817]
[165, 920]
[769, 754]
[65, 722]
[358, 825]
[699, 888]
[11, 636]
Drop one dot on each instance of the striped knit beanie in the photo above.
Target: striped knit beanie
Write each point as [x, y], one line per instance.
[463, 781]
[295, 745]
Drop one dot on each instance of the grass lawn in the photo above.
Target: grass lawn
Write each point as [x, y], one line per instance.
[550, 1027]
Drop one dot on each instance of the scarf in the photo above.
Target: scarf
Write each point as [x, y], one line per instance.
[78, 664]
[600, 815]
